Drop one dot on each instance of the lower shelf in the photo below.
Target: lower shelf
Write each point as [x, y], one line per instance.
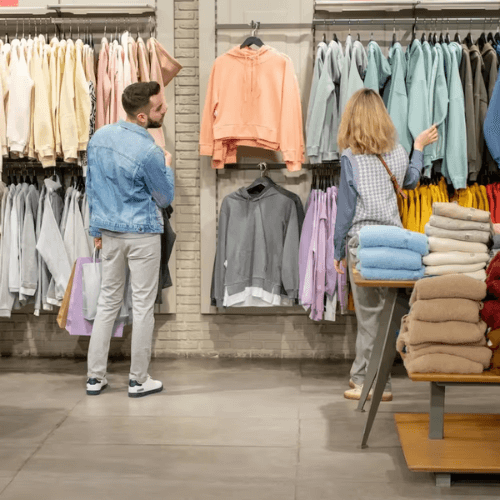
[471, 443]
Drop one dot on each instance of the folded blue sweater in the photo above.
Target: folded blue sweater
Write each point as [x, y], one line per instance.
[371, 273]
[389, 258]
[393, 237]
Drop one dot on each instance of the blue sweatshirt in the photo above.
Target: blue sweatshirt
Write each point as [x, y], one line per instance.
[348, 198]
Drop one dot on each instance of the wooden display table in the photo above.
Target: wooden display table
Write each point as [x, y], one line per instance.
[384, 349]
[453, 443]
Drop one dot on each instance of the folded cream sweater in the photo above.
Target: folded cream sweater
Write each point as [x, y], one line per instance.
[449, 258]
[455, 211]
[454, 269]
[459, 225]
[462, 235]
[451, 245]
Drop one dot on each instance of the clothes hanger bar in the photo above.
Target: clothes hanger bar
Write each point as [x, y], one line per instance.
[126, 8]
[256, 166]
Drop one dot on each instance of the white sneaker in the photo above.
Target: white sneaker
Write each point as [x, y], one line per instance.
[95, 386]
[136, 390]
[354, 393]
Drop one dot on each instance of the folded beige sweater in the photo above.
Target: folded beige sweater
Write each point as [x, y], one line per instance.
[480, 343]
[477, 354]
[459, 225]
[447, 332]
[439, 310]
[451, 245]
[454, 269]
[442, 363]
[468, 235]
[455, 211]
[449, 286]
[477, 275]
[450, 258]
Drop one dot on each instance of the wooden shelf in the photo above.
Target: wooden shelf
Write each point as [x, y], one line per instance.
[487, 377]
[360, 281]
[471, 443]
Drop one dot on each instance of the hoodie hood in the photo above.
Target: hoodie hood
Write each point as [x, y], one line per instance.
[378, 70]
[457, 49]
[360, 59]
[487, 49]
[251, 59]
[396, 55]
[334, 59]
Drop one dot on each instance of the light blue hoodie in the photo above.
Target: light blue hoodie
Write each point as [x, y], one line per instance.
[419, 118]
[378, 69]
[324, 119]
[318, 68]
[396, 98]
[455, 160]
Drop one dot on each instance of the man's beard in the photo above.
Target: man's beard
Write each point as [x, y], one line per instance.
[153, 124]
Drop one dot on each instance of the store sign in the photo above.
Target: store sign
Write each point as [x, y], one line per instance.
[9, 3]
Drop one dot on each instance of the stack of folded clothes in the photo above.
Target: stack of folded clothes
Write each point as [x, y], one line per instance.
[458, 241]
[443, 333]
[391, 253]
[491, 306]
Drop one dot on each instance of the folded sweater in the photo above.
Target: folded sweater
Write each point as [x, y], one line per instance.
[477, 275]
[372, 273]
[452, 245]
[458, 225]
[446, 332]
[439, 310]
[450, 286]
[477, 354]
[455, 211]
[442, 363]
[469, 235]
[393, 237]
[389, 258]
[449, 258]
[454, 269]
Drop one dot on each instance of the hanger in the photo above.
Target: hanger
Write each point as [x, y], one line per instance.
[497, 35]
[481, 41]
[6, 34]
[253, 40]
[324, 37]
[261, 182]
[423, 38]
[359, 38]
[335, 39]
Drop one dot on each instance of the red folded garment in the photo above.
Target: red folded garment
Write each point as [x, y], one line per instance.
[490, 313]
[493, 276]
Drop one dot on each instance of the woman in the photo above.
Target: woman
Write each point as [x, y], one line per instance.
[367, 197]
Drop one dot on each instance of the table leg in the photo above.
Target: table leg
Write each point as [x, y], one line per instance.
[384, 369]
[436, 413]
[383, 332]
[443, 480]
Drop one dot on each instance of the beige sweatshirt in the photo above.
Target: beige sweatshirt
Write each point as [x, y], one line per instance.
[82, 99]
[56, 95]
[67, 120]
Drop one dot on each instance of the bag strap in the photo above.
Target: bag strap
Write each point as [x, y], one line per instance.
[393, 179]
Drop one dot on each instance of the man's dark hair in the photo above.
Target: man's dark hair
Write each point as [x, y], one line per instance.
[137, 95]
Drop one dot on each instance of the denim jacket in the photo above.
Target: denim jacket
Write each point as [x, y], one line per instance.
[127, 181]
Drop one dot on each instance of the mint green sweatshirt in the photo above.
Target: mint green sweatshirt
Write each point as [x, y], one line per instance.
[396, 98]
[455, 160]
[378, 69]
[419, 118]
[440, 103]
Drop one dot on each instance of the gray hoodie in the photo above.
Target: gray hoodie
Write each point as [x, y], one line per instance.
[257, 245]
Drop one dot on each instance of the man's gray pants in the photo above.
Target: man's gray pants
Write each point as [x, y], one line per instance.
[142, 255]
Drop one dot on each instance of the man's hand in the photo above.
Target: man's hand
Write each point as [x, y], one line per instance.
[98, 243]
[338, 263]
[168, 158]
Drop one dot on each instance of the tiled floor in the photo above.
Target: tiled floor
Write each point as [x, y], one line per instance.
[222, 430]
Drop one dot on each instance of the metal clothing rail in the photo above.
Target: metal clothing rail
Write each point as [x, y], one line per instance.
[396, 5]
[131, 8]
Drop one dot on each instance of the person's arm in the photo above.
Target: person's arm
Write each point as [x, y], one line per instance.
[346, 207]
[417, 158]
[159, 178]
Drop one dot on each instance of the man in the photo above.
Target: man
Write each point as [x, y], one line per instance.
[127, 184]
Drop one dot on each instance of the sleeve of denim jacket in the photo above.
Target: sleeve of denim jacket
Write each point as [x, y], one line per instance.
[93, 231]
[346, 207]
[159, 178]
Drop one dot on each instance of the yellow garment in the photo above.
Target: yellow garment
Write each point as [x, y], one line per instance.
[82, 99]
[425, 207]
[412, 217]
[69, 134]
[404, 218]
[482, 189]
[478, 197]
[417, 212]
[444, 190]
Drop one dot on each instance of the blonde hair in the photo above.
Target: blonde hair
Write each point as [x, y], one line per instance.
[366, 126]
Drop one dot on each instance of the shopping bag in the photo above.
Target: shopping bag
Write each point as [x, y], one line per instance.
[91, 284]
[63, 310]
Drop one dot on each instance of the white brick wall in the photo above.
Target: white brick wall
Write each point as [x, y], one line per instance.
[188, 333]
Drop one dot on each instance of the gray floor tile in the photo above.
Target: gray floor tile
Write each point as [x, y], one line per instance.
[179, 431]
[229, 464]
[31, 428]
[13, 457]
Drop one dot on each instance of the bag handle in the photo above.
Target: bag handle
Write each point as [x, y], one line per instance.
[94, 255]
[393, 179]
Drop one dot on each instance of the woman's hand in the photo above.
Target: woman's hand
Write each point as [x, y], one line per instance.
[426, 137]
[338, 263]
[98, 243]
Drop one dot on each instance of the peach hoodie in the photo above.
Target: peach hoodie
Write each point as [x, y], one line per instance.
[253, 95]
